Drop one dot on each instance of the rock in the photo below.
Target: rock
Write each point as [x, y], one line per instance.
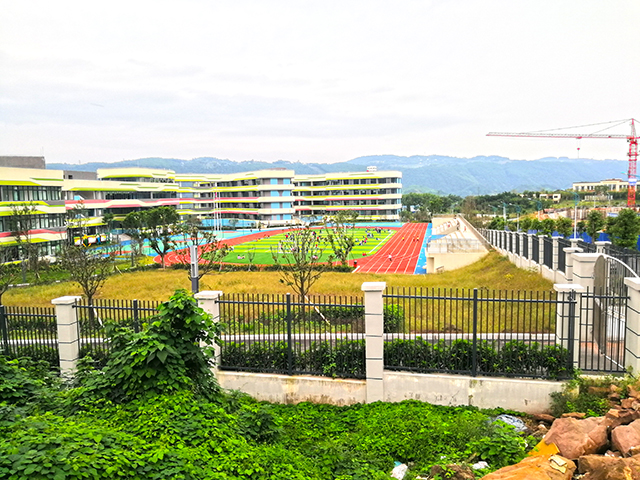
[626, 437]
[574, 415]
[453, 472]
[597, 467]
[541, 467]
[575, 438]
[616, 417]
[614, 388]
[633, 391]
[540, 432]
[609, 453]
[630, 403]
[544, 417]
[614, 396]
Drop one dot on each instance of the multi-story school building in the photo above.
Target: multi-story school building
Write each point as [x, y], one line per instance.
[262, 198]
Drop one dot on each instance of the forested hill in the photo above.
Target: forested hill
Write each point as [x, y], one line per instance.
[434, 173]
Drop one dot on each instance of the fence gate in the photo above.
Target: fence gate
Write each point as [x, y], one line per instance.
[603, 318]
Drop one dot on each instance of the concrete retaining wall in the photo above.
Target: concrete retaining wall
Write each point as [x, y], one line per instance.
[531, 396]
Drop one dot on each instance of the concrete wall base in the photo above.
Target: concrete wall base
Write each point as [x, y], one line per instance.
[295, 389]
[531, 396]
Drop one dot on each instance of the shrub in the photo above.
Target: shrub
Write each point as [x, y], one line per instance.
[393, 316]
[165, 357]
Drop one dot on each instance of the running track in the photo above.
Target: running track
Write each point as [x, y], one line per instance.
[404, 248]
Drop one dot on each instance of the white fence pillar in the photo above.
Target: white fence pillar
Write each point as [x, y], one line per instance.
[602, 246]
[530, 248]
[568, 262]
[583, 268]
[568, 318]
[541, 251]
[554, 261]
[632, 352]
[68, 335]
[207, 300]
[374, 335]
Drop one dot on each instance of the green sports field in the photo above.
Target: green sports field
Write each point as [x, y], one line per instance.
[264, 246]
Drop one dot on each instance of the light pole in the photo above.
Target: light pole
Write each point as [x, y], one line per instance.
[576, 199]
[518, 208]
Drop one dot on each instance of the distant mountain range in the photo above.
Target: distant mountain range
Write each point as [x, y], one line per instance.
[434, 173]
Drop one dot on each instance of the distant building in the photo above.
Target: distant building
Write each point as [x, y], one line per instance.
[613, 184]
[273, 197]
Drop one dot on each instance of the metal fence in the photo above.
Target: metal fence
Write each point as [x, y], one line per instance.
[29, 332]
[92, 320]
[535, 250]
[562, 255]
[283, 334]
[476, 332]
[547, 252]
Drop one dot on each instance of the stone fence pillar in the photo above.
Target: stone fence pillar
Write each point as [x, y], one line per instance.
[568, 271]
[374, 339]
[568, 318]
[207, 300]
[68, 333]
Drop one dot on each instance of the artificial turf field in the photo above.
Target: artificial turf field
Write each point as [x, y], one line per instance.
[263, 246]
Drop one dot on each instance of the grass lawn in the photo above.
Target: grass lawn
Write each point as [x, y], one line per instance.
[493, 272]
[262, 248]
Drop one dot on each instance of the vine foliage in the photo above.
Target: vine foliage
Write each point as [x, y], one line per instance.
[173, 352]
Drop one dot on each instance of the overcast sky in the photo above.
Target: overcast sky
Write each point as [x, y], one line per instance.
[313, 81]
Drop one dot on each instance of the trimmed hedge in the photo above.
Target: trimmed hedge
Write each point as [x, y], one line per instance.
[347, 358]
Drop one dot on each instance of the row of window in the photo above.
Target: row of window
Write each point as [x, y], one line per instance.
[32, 222]
[354, 181]
[12, 193]
[139, 195]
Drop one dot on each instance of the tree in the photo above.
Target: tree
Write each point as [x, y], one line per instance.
[564, 226]
[9, 270]
[595, 223]
[157, 226]
[209, 250]
[132, 225]
[88, 267]
[251, 255]
[21, 225]
[298, 258]
[548, 226]
[625, 229]
[341, 235]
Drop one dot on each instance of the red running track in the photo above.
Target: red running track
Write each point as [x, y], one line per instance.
[404, 248]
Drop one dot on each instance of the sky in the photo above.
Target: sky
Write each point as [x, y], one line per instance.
[314, 81]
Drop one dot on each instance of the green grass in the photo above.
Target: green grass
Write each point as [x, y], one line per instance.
[491, 272]
[263, 247]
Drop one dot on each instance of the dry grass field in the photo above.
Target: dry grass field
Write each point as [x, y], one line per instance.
[493, 272]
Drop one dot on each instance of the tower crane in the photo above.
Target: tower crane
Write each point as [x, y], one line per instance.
[632, 138]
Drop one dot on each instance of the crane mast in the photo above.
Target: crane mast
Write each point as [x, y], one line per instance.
[632, 138]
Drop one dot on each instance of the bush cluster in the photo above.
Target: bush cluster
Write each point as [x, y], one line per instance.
[347, 358]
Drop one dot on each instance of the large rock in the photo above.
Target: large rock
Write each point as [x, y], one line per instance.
[616, 417]
[575, 438]
[540, 467]
[599, 467]
[626, 437]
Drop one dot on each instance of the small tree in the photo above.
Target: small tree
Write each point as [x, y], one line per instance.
[132, 225]
[157, 226]
[9, 270]
[22, 224]
[251, 255]
[564, 226]
[625, 229]
[88, 267]
[595, 223]
[209, 250]
[299, 260]
[341, 235]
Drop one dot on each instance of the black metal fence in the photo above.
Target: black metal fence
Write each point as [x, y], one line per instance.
[29, 332]
[562, 255]
[548, 252]
[476, 332]
[93, 318]
[283, 334]
[535, 250]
